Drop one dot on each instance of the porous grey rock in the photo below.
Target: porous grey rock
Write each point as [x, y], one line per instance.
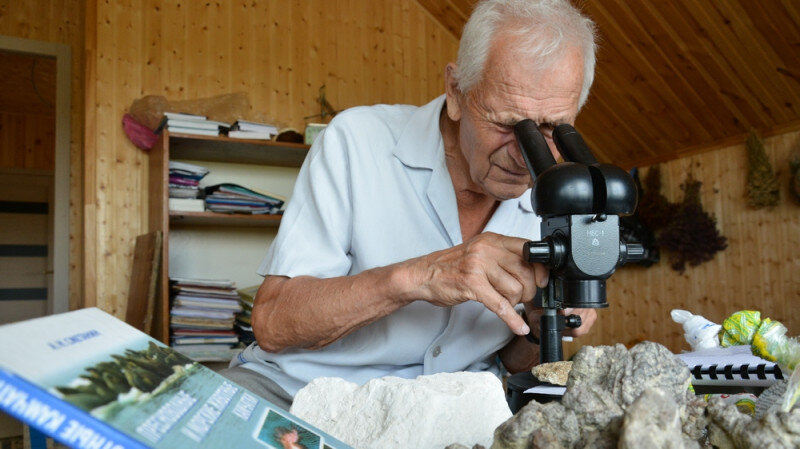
[725, 424]
[729, 428]
[427, 412]
[774, 430]
[652, 421]
[694, 421]
[593, 405]
[599, 417]
[555, 373]
[626, 374]
[461, 446]
[538, 425]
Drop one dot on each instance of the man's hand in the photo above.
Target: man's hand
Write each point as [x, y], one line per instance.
[489, 269]
[588, 317]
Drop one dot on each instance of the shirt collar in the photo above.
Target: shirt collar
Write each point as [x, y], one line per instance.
[414, 145]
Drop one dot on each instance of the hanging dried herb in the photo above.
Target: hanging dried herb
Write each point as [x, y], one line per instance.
[691, 236]
[762, 184]
[654, 209]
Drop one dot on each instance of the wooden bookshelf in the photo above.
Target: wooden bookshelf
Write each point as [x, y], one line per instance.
[203, 148]
[180, 218]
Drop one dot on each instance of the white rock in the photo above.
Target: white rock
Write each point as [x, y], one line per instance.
[390, 412]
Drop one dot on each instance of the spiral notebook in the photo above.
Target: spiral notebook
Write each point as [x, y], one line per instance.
[732, 366]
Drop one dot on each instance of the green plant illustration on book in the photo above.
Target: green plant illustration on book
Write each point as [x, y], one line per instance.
[131, 373]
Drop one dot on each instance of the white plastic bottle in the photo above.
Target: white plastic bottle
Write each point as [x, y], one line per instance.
[699, 332]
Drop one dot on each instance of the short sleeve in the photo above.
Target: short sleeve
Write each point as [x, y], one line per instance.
[315, 232]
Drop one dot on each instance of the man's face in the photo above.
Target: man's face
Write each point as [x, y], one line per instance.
[509, 93]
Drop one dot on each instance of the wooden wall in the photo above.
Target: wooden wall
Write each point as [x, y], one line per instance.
[60, 21]
[27, 141]
[760, 269]
[278, 51]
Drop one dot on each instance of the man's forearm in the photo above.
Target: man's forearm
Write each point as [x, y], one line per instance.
[310, 312]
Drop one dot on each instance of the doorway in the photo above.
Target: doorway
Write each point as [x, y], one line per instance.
[34, 178]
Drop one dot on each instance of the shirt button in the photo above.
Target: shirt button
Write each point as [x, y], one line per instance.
[436, 351]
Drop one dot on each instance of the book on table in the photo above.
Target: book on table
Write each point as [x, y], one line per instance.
[89, 380]
[734, 366]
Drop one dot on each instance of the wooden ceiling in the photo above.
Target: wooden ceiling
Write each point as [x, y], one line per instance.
[681, 76]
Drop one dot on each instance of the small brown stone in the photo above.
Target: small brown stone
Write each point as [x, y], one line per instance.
[555, 373]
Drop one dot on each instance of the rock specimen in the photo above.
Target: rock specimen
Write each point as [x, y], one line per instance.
[555, 373]
[428, 412]
[597, 410]
[653, 420]
[619, 398]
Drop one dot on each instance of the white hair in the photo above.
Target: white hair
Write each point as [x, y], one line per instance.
[544, 27]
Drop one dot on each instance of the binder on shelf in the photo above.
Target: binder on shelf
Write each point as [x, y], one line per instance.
[733, 366]
[91, 381]
[234, 194]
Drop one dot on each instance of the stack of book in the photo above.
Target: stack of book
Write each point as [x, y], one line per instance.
[242, 129]
[202, 317]
[233, 198]
[184, 186]
[191, 124]
[244, 323]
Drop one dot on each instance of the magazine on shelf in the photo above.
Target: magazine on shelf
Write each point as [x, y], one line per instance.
[90, 380]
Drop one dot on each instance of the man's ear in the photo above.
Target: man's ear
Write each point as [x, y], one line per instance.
[452, 92]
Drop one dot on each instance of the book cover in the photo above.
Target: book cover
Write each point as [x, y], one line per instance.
[91, 381]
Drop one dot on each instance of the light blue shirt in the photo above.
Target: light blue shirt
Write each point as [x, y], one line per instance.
[375, 190]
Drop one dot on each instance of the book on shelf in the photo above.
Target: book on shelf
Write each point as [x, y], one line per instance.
[204, 305]
[188, 170]
[234, 192]
[187, 204]
[199, 340]
[254, 135]
[205, 301]
[194, 131]
[734, 366]
[184, 116]
[89, 380]
[191, 124]
[247, 125]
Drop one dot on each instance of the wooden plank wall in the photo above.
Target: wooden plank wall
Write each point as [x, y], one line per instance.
[760, 269]
[279, 51]
[27, 141]
[60, 21]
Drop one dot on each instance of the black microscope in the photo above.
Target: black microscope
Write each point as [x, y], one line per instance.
[579, 201]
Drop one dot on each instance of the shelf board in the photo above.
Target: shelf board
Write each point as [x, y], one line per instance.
[216, 219]
[245, 151]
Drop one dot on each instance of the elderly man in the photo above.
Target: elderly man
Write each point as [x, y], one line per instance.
[400, 253]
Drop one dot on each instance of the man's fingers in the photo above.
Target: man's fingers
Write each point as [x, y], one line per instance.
[503, 309]
[518, 280]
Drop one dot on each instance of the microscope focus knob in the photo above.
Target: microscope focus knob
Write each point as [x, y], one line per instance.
[551, 251]
[573, 321]
[536, 252]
